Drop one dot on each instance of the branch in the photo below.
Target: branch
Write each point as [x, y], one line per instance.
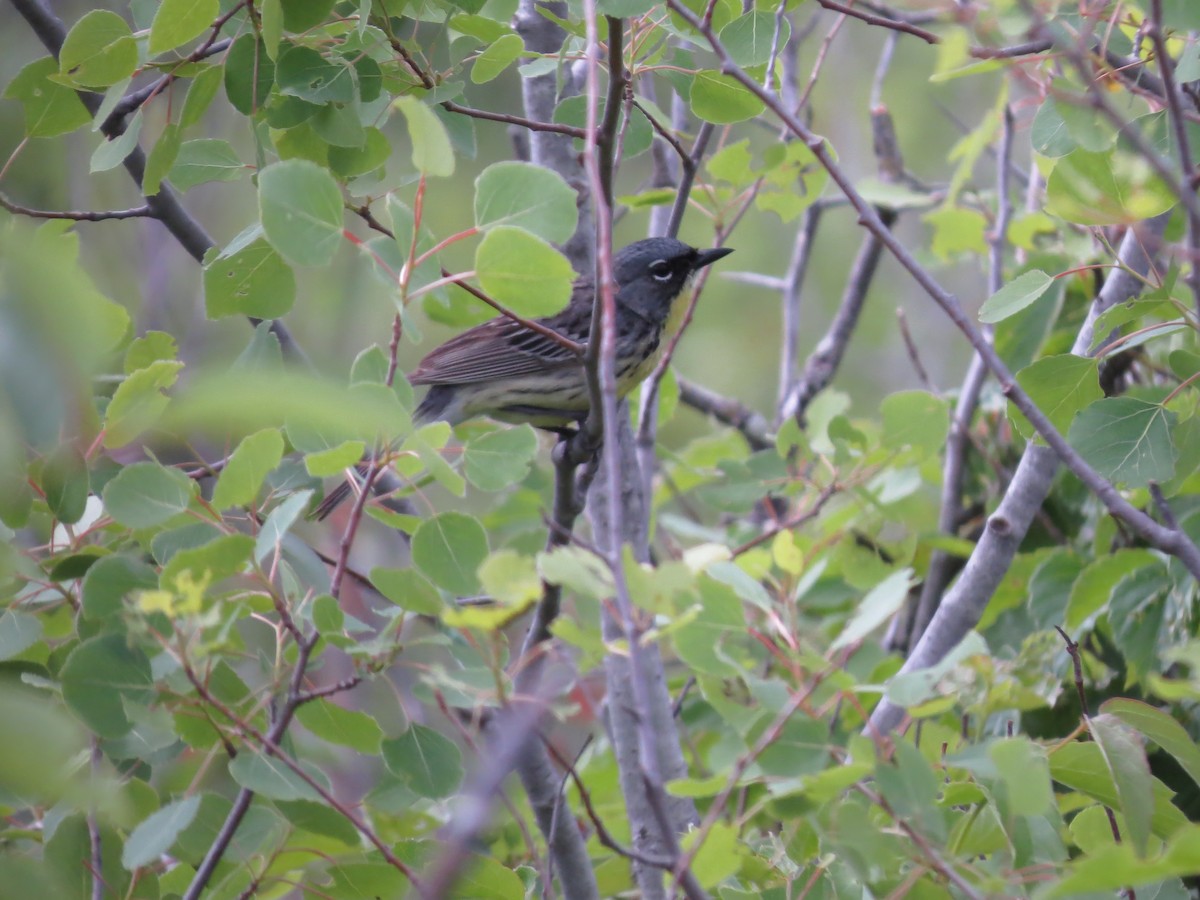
[1178, 124]
[882, 21]
[958, 441]
[137, 212]
[727, 410]
[963, 605]
[164, 205]
[1176, 543]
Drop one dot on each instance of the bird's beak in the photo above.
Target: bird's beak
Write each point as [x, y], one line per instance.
[708, 257]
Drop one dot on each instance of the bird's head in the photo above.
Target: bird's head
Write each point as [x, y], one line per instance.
[650, 273]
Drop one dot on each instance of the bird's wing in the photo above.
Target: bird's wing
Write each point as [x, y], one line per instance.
[499, 348]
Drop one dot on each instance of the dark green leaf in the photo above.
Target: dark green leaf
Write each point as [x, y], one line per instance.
[1128, 440]
[429, 764]
[154, 835]
[303, 72]
[249, 74]
[66, 483]
[146, 494]
[99, 675]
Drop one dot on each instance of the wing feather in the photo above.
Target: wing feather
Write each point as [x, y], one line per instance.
[499, 348]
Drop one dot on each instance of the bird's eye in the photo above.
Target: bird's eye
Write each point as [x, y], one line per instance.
[660, 270]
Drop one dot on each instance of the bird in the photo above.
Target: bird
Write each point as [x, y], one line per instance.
[506, 371]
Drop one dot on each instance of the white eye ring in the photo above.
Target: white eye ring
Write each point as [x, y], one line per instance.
[660, 270]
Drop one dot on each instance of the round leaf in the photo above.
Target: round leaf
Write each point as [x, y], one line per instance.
[720, 99]
[146, 494]
[500, 458]
[301, 209]
[97, 678]
[428, 763]
[523, 272]
[531, 197]
[253, 282]
[448, 550]
[99, 50]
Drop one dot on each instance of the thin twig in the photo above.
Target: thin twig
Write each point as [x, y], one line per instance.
[882, 21]
[137, 212]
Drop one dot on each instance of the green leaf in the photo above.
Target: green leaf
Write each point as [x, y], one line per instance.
[1120, 867]
[155, 834]
[179, 21]
[431, 150]
[200, 95]
[138, 402]
[1026, 774]
[429, 764]
[204, 160]
[577, 570]
[503, 52]
[1048, 134]
[1159, 727]
[111, 153]
[531, 197]
[346, 727]
[915, 419]
[99, 50]
[242, 478]
[146, 494]
[302, 15]
[1082, 767]
[1112, 188]
[335, 460]
[281, 519]
[317, 818]
[911, 787]
[500, 458]
[269, 776]
[162, 157]
[99, 675]
[720, 99]
[957, 230]
[249, 74]
[1094, 587]
[18, 632]
[303, 72]
[110, 581]
[211, 562]
[149, 348]
[1126, 439]
[718, 857]
[408, 589]
[1126, 760]
[1061, 386]
[350, 161]
[251, 281]
[749, 38]
[301, 209]
[523, 272]
[448, 549]
[1019, 293]
[50, 108]
[65, 483]
[879, 605]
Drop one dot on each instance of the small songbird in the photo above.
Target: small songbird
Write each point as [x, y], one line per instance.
[504, 370]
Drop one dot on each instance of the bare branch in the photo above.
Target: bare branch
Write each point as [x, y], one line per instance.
[137, 212]
[728, 410]
[882, 21]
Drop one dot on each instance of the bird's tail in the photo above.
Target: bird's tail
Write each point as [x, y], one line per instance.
[432, 408]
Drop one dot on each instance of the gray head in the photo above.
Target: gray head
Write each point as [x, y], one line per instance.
[652, 272]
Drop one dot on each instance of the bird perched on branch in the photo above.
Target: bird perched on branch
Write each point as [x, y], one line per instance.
[507, 371]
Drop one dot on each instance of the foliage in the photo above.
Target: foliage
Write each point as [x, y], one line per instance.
[207, 693]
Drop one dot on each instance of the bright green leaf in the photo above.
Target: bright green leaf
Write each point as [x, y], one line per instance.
[500, 458]
[338, 725]
[408, 589]
[1061, 386]
[138, 402]
[50, 108]
[242, 478]
[1019, 293]
[523, 272]
[531, 197]
[99, 50]
[495, 59]
[179, 21]
[431, 150]
[720, 99]
[915, 419]
[204, 160]
[253, 281]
